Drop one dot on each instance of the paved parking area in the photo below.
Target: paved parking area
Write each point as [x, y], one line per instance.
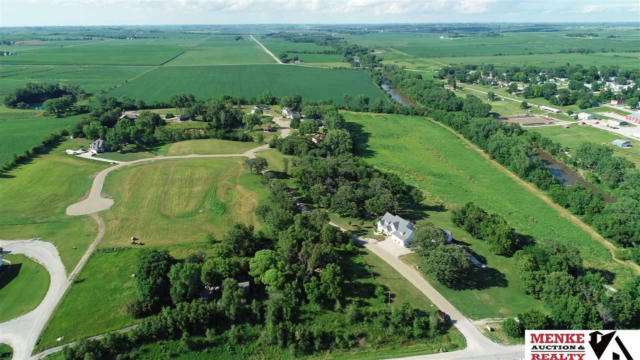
[392, 248]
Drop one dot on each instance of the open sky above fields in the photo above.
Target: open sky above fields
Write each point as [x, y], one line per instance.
[100, 12]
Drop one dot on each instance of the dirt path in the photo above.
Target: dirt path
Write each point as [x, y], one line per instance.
[266, 50]
[542, 196]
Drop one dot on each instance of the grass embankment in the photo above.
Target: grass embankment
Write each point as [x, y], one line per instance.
[23, 284]
[169, 204]
[34, 196]
[450, 173]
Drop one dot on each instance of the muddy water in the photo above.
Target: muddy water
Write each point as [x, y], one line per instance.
[396, 95]
[568, 176]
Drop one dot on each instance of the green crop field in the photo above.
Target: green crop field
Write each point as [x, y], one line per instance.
[278, 46]
[624, 60]
[435, 160]
[33, 199]
[224, 50]
[429, 45]
[90, 78]
[23, 284]
[107, 52]
[22, 130]
[249, 81]
[576, 135]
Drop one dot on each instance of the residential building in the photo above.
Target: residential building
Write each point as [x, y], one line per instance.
[98, 146]
[397, 229]
[585, 116]
[622, 143]
[550, 109]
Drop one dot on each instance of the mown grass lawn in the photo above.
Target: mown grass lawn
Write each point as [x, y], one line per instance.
[451, 174]
[34, 196]
[208, 146]
[5, 351]
[97, 300]
[23, 284]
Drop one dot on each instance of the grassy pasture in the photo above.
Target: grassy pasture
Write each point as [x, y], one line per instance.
[249, 81]
[107, 52]
[23, 284]
[20, 130]
[33, 199]
[167, 204]
[182, 201]
[90, 78]
[435, 160]
[576, 135]
[223, 50]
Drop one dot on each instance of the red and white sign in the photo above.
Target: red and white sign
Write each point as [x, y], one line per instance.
[582, 345]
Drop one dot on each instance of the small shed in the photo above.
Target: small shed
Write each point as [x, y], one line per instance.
[622, 143]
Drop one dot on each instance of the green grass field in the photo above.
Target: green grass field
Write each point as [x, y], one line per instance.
[168, 204]
[33, 199]
[5, 351]
[224, 50]
[23, 284]
[208, 146]
[576, 135]
[249, 81]
[20, 130]
[96, 302]
[435, 160]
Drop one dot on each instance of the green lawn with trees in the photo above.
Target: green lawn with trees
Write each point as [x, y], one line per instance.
[23, 284]
[451, 174]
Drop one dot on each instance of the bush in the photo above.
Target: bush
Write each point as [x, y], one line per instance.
[169, 116]
[513, 328]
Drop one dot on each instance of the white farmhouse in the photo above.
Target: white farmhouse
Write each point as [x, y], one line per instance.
[585, 116]
[398, 229]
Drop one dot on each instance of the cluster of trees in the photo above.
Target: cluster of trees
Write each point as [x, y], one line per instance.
[490, 227]
[599, 159]
[578, 297]
[350, 187]
[56, 99]
[447, 262]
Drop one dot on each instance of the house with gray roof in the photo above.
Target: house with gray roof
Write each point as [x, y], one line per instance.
[397, 229]
[98, 146]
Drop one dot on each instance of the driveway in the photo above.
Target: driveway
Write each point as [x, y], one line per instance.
[22, 332]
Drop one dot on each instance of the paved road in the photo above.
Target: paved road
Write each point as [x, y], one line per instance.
[95, 202]
[266, 50]
[22, 332]
[56, 349]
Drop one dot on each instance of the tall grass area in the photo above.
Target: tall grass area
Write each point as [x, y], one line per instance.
[250, 81]
[430, 157]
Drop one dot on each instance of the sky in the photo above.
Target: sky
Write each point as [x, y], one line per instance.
[158, 12]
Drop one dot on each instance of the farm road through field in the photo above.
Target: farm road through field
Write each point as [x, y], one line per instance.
[265, 49]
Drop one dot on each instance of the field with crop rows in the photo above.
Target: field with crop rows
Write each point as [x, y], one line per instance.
[249, 81]
[224, 50]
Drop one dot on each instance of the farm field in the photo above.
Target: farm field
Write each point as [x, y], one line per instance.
[430, 45]
[91, 78]
[576, 135]
[301, 50]
[21, 130]
[223, 50]
[623, 60]
[249, 81]
[452, 174]
[33, 199]
[23, 285]
[107, 52]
